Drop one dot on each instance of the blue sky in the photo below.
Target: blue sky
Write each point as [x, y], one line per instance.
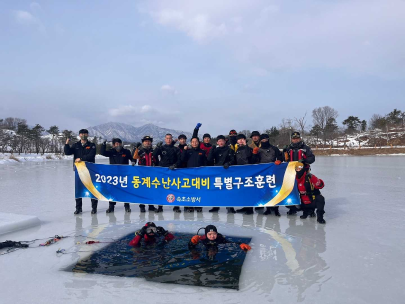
[229, 64]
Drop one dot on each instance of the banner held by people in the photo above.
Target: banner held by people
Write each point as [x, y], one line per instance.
[261, 185]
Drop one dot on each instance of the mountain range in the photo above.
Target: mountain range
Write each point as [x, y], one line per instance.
[130, 133]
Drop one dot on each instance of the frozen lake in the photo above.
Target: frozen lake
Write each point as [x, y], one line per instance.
[357, 257]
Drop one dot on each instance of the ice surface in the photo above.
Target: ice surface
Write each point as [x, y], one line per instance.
[10, 222]
[357, 257]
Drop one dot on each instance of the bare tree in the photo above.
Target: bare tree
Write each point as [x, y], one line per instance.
[322, 117]
[301, 122]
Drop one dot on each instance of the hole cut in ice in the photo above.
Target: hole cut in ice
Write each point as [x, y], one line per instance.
[171, 262]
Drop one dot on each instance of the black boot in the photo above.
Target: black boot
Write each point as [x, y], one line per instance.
[94, 204]
[177, 209]
[151, 208]
[110, 209]
[276, 212]
[268, 211]
[249, 211]
[198, 209]
[320, 219]
[159, 209]
[231, 210]
[190, 209]
[127, 208]
[312, 214]
[78, 206]
[292, 211]
[215, 209]
[242, 210]
[304, 215]
[142, 208]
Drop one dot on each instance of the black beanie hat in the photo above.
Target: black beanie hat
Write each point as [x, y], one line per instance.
[83, 131]
[116, 140]
[264, 136]
[182, 136]
[206, 135]
[210, 228]
[241, 136]
[255, 133]
[221, 137]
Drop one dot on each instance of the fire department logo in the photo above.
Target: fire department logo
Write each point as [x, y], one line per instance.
[170, 198]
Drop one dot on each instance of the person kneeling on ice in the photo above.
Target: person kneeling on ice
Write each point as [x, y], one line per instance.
[311, 197]
[211, 240]
[150, 234]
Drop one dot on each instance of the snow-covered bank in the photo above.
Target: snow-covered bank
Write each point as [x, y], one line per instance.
[10, 158]
[10, 222]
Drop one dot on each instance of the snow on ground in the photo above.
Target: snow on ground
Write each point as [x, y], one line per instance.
[357, 257]
[7, 158]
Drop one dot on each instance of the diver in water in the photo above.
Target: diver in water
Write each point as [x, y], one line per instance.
[150, 234]
[211, 240]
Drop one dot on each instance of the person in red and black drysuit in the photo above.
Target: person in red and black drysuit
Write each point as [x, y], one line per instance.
[311, 198]
[150, 234]
[118, 156]
[298, 151]
[210, 240]
[194, 157]
[144, 155]
[205, 144]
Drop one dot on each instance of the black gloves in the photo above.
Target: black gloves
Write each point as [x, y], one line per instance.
[138, 144]
[159, 144]
[226, 165]
[161, 230]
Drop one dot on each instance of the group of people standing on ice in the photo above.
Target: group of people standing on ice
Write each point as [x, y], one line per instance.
[228, 151]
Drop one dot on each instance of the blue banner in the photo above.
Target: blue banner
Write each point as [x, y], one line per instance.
[262, 185]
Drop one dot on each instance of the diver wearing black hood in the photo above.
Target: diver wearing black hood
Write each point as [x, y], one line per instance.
[212, 238]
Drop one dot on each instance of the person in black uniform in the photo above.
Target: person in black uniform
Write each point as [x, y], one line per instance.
[298, 151]
[143, 153]
[267, 153]
[182, 139]
[244, 156]
[169, 156]
[224, 156]
[194, 157]
[82, 150]
[118, 156]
